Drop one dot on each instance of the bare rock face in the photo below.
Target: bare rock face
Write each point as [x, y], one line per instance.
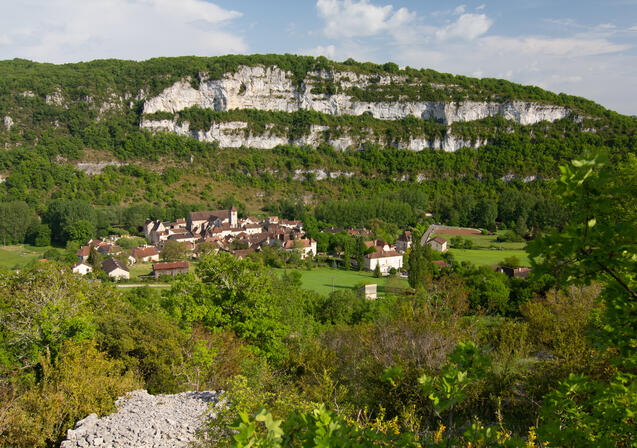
[8, 122]
[235, 134]
[93, 168]
[147, 421]
[272, 89]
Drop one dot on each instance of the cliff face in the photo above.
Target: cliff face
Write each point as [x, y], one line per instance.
[235, 134]
[272, 89]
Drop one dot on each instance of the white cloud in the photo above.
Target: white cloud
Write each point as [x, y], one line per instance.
[350, 18]
[328, 51]
[550, 47]
[459, 9]
[73, 30]
[468, 27]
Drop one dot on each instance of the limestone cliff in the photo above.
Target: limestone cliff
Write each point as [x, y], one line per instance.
[272, 89]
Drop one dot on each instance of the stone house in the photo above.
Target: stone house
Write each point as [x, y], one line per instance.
[115, 269]
[170, 268]
[145, 254]
[521, 272]
[82, 268]
[306, 247]
[369, 291]
[385, 260]
[438, 244]
[403, 242]
[198, 221]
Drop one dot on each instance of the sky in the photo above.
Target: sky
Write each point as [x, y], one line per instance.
[581, 47]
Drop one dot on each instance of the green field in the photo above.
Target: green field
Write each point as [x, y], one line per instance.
[15, 257]
[320, 279]
[488, 257]
[486, 241]
[140, 269]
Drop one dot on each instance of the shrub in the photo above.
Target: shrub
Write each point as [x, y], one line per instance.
[79, 382]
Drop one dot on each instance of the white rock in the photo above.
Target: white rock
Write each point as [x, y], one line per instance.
[8, 122]
[272, 89]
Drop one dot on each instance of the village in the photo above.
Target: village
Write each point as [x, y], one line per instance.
[206, 232]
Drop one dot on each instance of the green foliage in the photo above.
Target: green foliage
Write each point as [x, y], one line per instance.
[42, 236]
[600, 242]
[584, 412]
[80, 381]
[174, 250]
[234, 294]
[42, 307]
[16, 219]
[62, 216]
[80, 231]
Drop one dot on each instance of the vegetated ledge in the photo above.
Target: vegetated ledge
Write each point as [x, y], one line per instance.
[268, 129]
[385, 97]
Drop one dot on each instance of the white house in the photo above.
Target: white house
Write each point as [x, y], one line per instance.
[438, 244]
[82, 268]
[307, 247]
[385, 260]
[115, 269]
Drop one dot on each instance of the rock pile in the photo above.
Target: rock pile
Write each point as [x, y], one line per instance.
[147, 421]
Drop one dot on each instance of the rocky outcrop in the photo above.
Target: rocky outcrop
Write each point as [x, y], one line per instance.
[272, 89]
[55, 99]
[93, 168]
[8, 122]
[147, 421]
[235, 134]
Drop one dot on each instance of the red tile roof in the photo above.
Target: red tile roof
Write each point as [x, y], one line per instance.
[170, 265]
[145, 252]
[384, 254]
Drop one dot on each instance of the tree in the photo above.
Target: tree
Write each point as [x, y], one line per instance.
[80, 231]
[420, 267]
[598, 243]
[61, 213]
[488, 290]
[234, 294]
[15, 219]
[174, 250]
[42, 236]
[510, 262]
[377, 272]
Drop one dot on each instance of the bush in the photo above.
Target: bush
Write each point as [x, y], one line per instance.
[80, 381]
[509, 236]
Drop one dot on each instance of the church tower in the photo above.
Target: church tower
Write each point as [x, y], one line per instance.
[234, 220]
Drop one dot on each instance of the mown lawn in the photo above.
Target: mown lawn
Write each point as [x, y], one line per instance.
[16, 257]
[488, 257]
[486, 241]
[321, 279]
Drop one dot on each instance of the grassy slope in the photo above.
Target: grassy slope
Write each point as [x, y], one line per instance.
[19, 256]
[320, 279]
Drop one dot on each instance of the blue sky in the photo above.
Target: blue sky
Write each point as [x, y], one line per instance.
[584, 48]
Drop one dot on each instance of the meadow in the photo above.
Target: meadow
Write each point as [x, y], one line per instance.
[326, 280]
[19, 256]
[489, 257]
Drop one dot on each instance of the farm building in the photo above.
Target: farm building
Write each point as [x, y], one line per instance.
[170, 268]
